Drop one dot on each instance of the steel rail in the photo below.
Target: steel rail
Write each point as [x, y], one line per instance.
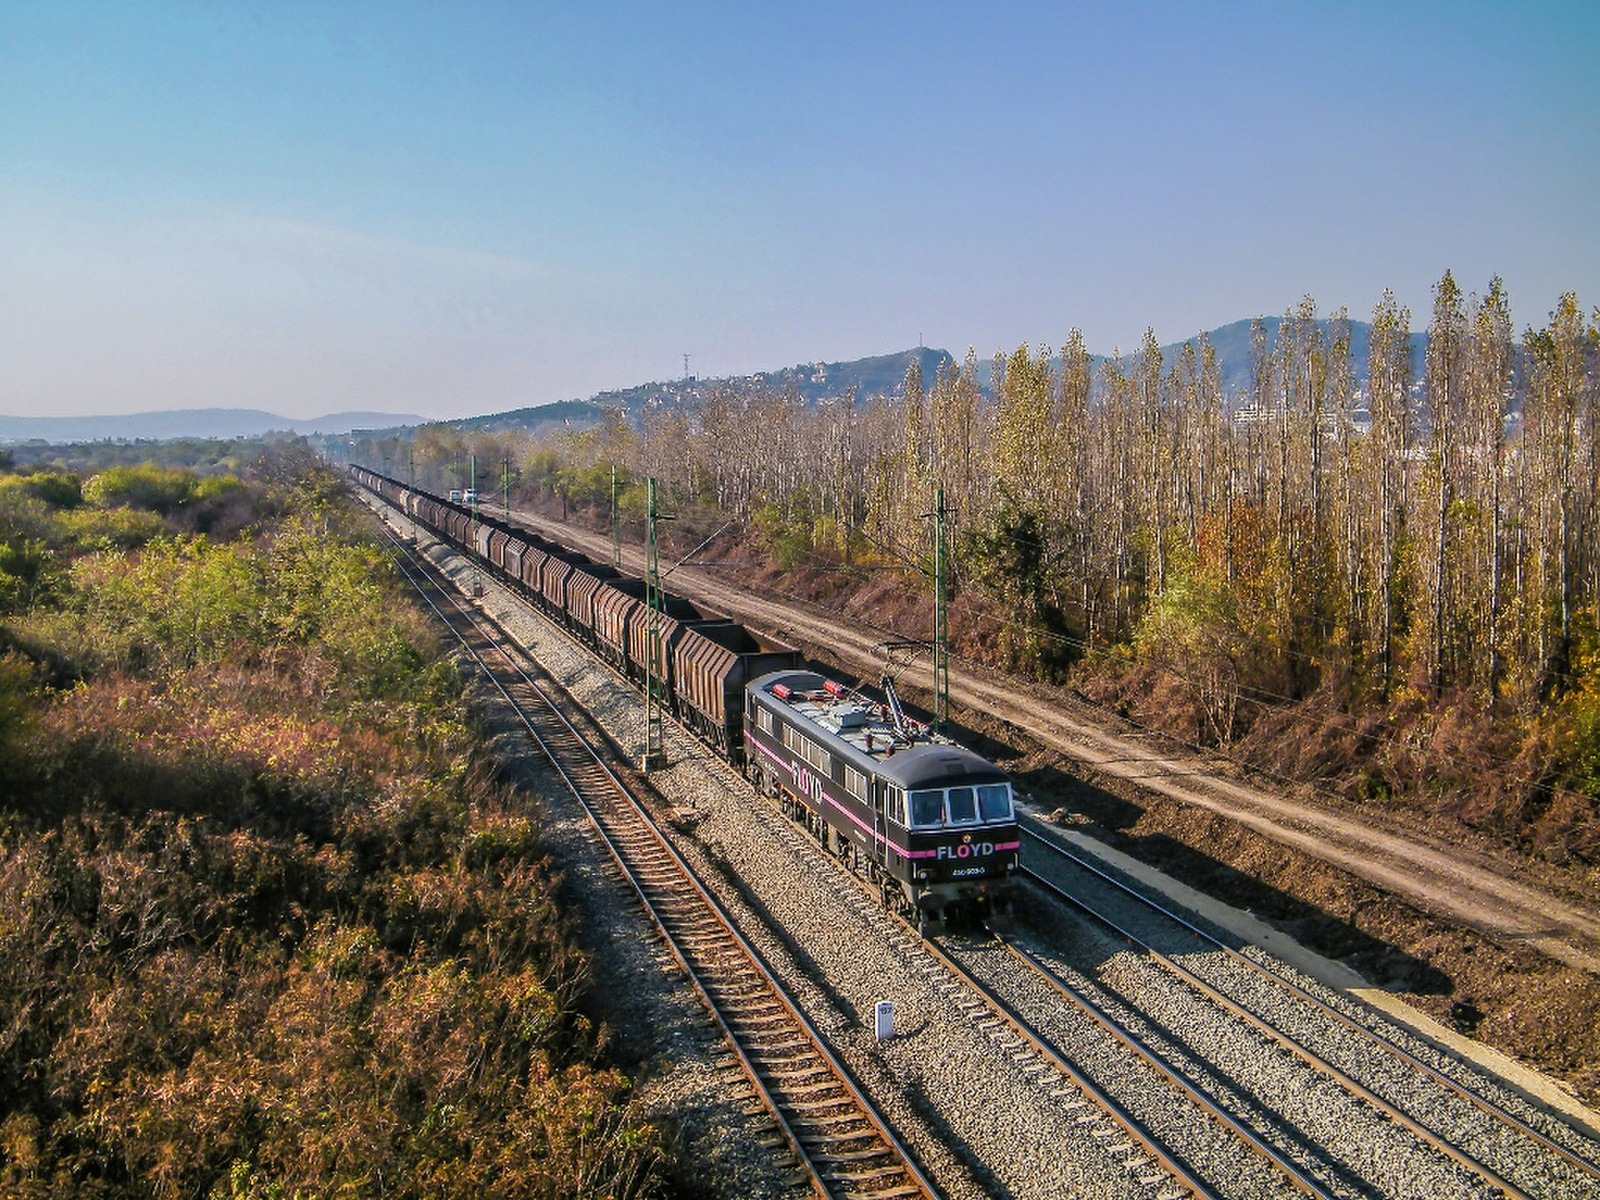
[916, 1182]
[1481, 1103]
[1041, 1045]
[1377, 1103]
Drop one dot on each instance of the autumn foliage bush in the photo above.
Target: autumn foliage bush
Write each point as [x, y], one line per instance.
[268, 927]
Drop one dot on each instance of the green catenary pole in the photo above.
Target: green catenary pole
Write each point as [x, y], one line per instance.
[654, 755]
[477, 579]
[616, 545]
[941, 647]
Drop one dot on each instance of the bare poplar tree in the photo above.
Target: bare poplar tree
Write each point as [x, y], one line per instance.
[1074, 486]
[1445, 363]
[1389, 375]
[1488, 380]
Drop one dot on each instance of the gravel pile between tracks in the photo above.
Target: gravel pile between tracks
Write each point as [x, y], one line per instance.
[979, 1120]
[1305, 1115]
[1176, 1123]
[1161, 998]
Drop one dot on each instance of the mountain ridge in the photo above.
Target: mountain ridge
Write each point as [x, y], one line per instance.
[813, 382]
[204, 423]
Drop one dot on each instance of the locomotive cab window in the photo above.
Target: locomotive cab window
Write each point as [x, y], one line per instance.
[805, 748]
[855, 783]
[927, 809]
[994, 801]
[963, 806]
[896, 805]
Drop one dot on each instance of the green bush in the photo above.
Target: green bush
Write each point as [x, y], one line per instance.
[158, 489]
[267, 927]
[56, 488]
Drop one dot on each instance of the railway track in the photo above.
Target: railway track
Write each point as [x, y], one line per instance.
[1531, 1165]
[843, 1148]
[1142, 1114]
[1460, 1119]
[1292, 1177]
[1108, 1127]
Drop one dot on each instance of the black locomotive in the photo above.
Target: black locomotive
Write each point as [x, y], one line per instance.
[931, 824]
[927, 822]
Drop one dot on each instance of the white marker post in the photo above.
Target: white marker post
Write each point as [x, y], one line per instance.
[883, 1024]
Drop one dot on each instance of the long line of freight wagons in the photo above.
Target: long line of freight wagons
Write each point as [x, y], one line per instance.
[705, 659]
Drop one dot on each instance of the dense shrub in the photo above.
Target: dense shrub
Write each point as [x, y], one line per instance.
[266, 926]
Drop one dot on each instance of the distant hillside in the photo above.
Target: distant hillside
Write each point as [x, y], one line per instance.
[1232, 344]
[201, 423]
[881, 374]
[533, 418]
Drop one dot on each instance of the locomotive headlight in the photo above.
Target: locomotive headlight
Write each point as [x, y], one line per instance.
[922, 872]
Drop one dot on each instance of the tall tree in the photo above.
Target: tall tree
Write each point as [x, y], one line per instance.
[1389, 383]
[1488, 380]
[1073, 485]
[1443, 371]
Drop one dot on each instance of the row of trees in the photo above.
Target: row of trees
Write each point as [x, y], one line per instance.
[1335, 525]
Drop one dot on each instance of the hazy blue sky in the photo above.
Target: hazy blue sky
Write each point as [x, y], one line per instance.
[462, 208]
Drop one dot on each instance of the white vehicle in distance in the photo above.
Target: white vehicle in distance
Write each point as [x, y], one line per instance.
[470, 496]
[455, 495]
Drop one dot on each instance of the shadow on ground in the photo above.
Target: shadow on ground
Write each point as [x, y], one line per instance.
[1115, 820]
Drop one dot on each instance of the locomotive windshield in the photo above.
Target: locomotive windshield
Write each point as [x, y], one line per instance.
[927, 809]
[995, 801]
[933, 807]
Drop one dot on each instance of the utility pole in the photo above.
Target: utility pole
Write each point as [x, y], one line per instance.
[941, 638]
[616, 546]
[505, 483]
[655, 756]
[411, 483]
[477, 579]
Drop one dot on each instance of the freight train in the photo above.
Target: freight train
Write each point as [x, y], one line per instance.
[929, 824]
